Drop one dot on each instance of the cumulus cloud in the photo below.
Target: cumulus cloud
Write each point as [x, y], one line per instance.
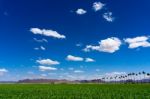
[46, 68]
[49, 33]
[74, 58]
[81, 11]
[89, 60]
[140, 41]
[98, 6]
[40, 40]
[3, 71]
[108, 16]
[47, 62]
[109, 45]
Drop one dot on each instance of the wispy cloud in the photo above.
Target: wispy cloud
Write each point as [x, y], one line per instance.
[108, 16]
[79, 45]
[46, 68]
[43, 48]
[40, 48]
[40, 40]
[78, 71]
[49, 33]
[115, 73]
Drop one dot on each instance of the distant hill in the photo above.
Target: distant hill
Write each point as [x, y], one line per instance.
[45, 81]
[53, 81]
[57, 81]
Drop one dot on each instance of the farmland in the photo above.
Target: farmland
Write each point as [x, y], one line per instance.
[75, 91]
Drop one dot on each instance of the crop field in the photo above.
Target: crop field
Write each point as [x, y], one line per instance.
[75, 91]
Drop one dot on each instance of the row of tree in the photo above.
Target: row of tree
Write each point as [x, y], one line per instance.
[140, 77]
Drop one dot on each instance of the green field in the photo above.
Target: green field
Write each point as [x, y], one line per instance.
[75, 91]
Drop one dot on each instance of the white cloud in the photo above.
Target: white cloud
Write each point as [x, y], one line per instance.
[3, 71]
[47, 62]
[115, 73]
[109, 45]
[40, 48]
[79, 45]
[74, 58]
[40, 40]
[108, 17]
[78, 71]
[82, 76]
[43, 48]
[89, 60]
[140, 41]
[98, 6]
[49, 33]
[81, 11]
[46, 68]
[36, 48]
[36, 31]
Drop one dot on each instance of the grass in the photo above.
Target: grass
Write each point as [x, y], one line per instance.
[75, 91]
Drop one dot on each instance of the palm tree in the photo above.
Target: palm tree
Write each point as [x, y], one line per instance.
[136, 77]
[133, 77]
[144, 74]
[140, 76]
[107, 79]
[103, 79]
[129, 75]
[115, 78]
[126, 77]
[148, 74]
[111, 79]
[123, 79]
[119, 79]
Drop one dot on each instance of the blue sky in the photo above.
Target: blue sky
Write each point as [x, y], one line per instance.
[73, 39]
